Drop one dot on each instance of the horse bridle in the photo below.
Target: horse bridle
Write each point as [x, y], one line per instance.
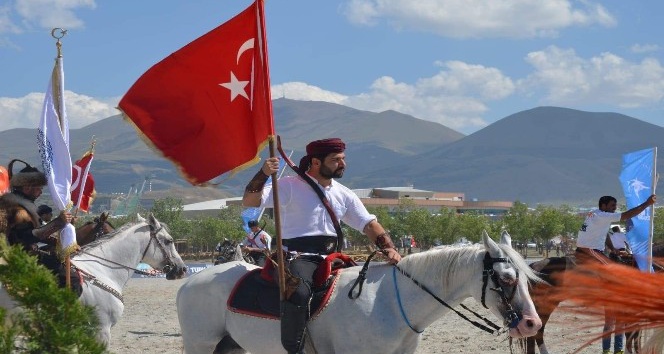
[170, 265]
[98, 230]
[511, 317]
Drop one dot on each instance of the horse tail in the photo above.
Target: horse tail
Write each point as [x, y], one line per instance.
[632, 296]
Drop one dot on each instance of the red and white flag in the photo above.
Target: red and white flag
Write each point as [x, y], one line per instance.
[4, 180]
[83, 185]
[207, 107]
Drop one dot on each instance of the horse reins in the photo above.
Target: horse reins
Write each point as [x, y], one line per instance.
[495, 329]
[112, 291]
[487, 271]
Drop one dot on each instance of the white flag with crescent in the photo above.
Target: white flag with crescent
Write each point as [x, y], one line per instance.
[53, 138]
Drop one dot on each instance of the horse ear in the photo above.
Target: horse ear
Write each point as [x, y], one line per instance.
[489, 244]
[153, 221]
[505, 238]
[140, 218]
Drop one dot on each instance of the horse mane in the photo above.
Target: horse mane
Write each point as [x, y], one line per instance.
[104, 238]
[444, 261]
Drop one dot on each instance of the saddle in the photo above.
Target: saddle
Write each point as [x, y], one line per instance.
[257, 292]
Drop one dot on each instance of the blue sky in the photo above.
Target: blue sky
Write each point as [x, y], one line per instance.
[461, 63]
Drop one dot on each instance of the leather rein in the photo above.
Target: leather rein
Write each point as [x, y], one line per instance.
[90, 277]
[512, 318]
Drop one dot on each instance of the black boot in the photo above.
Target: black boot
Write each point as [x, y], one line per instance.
[293, 327]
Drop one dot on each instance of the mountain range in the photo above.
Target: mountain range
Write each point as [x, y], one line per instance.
[546, 155]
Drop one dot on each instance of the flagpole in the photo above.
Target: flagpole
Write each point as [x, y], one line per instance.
[652, 210]
[262, 45]
[60, 111]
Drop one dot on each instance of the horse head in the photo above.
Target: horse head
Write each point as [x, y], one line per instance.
[92, 230]
[504, 287]
[161, 252]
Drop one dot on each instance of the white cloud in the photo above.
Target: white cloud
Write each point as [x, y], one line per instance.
[480, 18]
[304, 92]
[454, 97]
[644, 48]
[567, 79]
[6, 23]
[25, 112]
[43, 14]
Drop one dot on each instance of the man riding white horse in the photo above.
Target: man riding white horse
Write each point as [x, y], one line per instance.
[21, 223]
[308, 231]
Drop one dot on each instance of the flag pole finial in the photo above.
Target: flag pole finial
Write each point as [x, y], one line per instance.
[58, 33]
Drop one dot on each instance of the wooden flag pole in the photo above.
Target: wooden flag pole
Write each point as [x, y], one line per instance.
[58, 44]
[277, 226]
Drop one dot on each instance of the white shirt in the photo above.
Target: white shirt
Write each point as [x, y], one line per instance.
[618, 240]
[257, 242]
[303, 214]
[594, 229]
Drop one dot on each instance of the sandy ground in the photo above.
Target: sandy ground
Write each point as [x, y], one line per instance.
[150, 325]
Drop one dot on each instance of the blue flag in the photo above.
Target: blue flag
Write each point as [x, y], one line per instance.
[638, 169]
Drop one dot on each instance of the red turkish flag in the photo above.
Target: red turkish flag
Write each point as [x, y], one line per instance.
[81, 180]
[4, 180]
[207, 106]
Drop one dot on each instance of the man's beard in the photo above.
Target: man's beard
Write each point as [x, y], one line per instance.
[329, 174]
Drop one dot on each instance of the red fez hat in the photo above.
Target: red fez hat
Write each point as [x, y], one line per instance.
[325, 146]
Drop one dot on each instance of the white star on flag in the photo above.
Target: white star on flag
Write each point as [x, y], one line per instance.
[236, 87]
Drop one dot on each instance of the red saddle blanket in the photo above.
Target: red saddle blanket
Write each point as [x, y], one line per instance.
[257, 294]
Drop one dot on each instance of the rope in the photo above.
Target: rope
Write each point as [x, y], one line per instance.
[403, 313]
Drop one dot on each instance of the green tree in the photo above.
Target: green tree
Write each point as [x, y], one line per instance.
[548, 223]
[571, 220]
[169, 211]
[472, 224]
[446, 225]
[519, 222]
[420, 224]
[51, 320]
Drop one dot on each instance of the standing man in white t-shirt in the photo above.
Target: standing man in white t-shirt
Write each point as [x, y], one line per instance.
[256, 242]
[591, 240]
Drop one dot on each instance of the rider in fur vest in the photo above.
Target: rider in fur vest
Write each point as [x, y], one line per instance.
[21, 223]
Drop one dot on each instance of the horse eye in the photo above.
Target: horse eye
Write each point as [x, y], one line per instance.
[168, 242]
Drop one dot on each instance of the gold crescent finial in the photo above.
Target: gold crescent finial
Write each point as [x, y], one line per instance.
[61, 33]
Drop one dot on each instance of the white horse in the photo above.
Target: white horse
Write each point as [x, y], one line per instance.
[379, 319]
[107, 265]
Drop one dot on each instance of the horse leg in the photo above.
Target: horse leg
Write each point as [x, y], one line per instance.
[539, 337]
[635, 342]
[201, 308]
[228, 345]
[104, 335]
